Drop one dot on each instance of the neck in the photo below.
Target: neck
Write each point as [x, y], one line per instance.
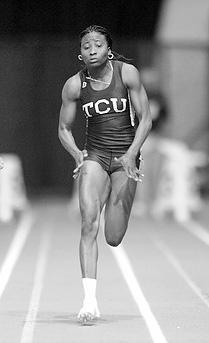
[101, 71]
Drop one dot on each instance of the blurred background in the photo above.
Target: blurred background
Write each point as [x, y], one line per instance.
[167, 40]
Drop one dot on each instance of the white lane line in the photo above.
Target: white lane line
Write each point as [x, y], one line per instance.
[197, 230]
[15, 249]
[176, 264]
[143, 306]
[28, 329]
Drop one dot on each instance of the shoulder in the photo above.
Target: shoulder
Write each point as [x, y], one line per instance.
[130, 75]
[71, 88]
[129, 68]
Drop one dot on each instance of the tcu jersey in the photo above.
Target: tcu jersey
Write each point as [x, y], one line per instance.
[107, 111]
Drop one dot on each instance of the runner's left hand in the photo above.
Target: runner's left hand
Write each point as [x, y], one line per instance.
[129, 164]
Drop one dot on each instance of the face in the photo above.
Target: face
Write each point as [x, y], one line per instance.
[94, 49]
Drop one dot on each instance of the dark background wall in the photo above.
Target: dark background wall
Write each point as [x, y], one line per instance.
[38, 52]
[124, 18]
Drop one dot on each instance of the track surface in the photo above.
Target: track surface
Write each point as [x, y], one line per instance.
[153, 288]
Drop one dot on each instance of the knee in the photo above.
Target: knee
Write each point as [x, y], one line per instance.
[113, 241]
[90, 226]
[114, 233]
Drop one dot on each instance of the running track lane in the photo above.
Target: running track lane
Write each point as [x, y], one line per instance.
[158, 252]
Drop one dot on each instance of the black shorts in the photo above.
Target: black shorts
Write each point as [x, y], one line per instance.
[106, 160]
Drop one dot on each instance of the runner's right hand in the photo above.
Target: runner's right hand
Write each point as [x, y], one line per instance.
[79, 163]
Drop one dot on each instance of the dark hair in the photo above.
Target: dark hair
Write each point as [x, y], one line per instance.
[106, 33]
[99, 29]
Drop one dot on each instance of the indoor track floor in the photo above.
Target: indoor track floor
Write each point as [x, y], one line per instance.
[152, 288]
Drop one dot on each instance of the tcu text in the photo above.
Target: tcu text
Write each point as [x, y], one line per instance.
[104, 106]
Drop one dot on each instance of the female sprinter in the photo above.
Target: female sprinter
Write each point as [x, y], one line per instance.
[108, 167]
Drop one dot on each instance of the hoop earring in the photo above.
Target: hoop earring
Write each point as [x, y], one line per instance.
[110, 56]
[80, 57]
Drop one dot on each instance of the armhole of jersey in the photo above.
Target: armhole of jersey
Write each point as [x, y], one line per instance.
[132, 111]
[83, 79]
[120, 66]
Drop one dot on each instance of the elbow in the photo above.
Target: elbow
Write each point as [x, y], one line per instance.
[60, 134]
[149, 124]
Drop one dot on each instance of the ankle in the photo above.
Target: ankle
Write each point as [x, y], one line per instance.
[89, 287]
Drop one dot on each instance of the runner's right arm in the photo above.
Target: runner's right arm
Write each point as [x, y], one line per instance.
[70, 96]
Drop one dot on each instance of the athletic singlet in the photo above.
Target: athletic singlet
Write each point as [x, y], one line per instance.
[107, 111]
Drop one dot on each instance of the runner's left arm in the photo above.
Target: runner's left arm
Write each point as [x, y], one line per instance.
[139, 100]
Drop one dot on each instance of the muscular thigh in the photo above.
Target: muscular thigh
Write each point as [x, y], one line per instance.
[120, 201]
[122, 190]
[94, 186]
[118, 207]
